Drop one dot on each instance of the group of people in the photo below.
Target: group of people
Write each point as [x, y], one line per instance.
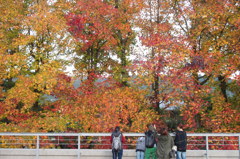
[154, 145]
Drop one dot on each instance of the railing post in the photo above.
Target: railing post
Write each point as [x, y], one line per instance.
[79, 146]
[239, 146]
[37, 148]
[207, 147]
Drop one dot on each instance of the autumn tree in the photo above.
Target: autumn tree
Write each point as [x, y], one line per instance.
[90, 23]
[154, 70]
[201, 55]
[124, 34]
[104, 33]
[210, 30]
[33, 36]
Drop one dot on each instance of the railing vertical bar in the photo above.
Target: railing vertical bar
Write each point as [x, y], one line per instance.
[79, 146]
[239, 146]
[37, 148]
[207, 146]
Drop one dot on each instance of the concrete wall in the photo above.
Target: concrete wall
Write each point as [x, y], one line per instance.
[103, 154]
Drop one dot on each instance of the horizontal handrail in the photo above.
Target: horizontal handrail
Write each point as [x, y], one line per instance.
[108, 134]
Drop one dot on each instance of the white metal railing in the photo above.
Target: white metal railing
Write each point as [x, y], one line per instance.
[78, 141]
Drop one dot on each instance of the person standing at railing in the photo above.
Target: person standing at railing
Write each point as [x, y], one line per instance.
[181, 142]
[140, 147]
[117, 140]
[150, 143]
[164, 144]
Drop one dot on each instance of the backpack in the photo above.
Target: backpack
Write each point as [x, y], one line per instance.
[149, 139]
[140, 145]
[117, 144]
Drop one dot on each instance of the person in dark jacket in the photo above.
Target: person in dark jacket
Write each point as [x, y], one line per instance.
[117, 134]
[140, 148]
[181, 142]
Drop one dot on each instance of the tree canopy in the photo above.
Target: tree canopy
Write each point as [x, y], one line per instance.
[136, 61]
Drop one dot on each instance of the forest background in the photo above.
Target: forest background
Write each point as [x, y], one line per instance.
[136, 62]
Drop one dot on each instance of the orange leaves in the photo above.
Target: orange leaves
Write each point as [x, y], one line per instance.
[191, 49]
[221, 117]
[29, 58]
[124, 107]
[21, 93]
[106, 106]
[10, 12]
[11, 65]
[44, 17]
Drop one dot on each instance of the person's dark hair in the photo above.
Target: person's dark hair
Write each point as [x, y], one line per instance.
[180, 126]
[164, 131]
[148, 125]
[117, 128]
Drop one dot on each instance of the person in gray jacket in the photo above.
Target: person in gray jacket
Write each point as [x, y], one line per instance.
[140, 147]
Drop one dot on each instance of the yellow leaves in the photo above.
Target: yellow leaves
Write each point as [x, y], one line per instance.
[28, 89]
[9, 11]
[141, 119]
[44, 17]
[22, 40]
[22, 93]
[51, 122]
[11, 18]
[11, 65]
